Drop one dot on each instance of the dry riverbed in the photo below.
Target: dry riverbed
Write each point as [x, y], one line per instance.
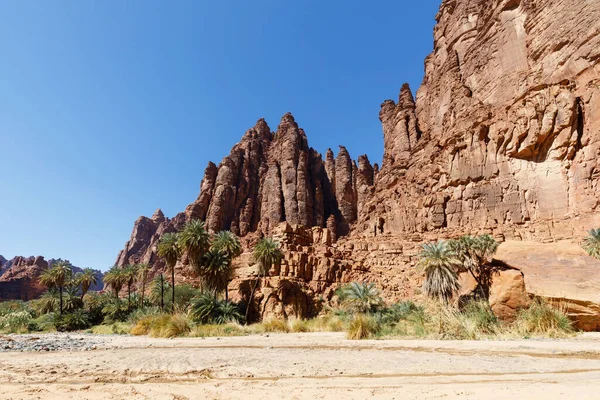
[296, 366]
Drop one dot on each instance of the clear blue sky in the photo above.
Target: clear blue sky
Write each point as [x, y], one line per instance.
[112, 109]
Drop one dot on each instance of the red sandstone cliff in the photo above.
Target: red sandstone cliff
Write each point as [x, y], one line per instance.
[503, 138]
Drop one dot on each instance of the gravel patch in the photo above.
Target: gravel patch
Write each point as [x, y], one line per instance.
[52, 342]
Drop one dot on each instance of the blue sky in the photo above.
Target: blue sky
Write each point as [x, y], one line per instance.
[112, 109]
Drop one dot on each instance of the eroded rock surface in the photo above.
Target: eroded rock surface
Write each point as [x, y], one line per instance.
[502, 138]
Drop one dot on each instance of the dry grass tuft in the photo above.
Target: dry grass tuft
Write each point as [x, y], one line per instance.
[362, 327]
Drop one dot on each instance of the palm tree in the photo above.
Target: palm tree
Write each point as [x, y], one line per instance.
[439, 263]
[194, 240]
[215, 271]
[475, 253]
[129, 276]
[57, 276]
[228, 243]
[142, 272]
[170, 250]
[361, 297]
[266, 253]
[591, 244]
[86, 279]
[157, 293]
[115, 278]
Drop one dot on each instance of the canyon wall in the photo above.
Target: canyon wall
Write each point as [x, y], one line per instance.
[502, 137]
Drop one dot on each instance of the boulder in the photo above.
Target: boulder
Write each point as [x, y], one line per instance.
[560, 272]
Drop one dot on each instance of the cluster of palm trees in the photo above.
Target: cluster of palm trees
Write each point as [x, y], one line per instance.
[127, 276]
[60, 277]
[210, 257]
[442, 261]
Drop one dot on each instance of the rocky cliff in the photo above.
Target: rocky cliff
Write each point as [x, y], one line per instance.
[19, 277]
[268, 178]
[502, 137]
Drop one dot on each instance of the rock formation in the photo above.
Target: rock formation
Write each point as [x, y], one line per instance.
[268, 178]
[19, 277]
[503, 138]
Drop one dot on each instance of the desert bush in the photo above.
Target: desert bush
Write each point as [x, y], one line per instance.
[16, 322]
[94, 303]
[141, 313]
[162, 325]
[205, 309]
[360, 297]
[73, 321]
[9, 307]
[398, 311]
[299, 325]
[43, 323]
[543, 318]
[362, 327]
[115, 310]
[275, 325]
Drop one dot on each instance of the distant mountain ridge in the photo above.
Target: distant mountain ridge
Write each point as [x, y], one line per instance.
[19, 277]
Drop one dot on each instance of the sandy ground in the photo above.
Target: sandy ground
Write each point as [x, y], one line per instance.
[307, 366]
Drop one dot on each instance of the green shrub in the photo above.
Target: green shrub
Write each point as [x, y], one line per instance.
[398, 311]
[542, 318]
[94, 303]
[205, 310]
[360, 297]
[9, 307]
[73, 321]
[16, 322]
[142, 313]
[362, 327]
[116, 310]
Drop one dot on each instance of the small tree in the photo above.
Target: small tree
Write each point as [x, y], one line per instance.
[170, 250]
[360, 297]
[439, 264]
[215, 271]
[228, 244]
[115, 279]
[129, 276]
[142, 276]
[87, 278]
[57, 276]
[194, 240]
[266, 253]
[475, 255]
[591, 243]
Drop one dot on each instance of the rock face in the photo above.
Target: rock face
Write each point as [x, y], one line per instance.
[560, 272]
[505, 132]
[19, 277]
[502, 138]
[268, 178]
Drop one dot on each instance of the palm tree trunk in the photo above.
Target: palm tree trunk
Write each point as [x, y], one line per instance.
[129, 297]
[251, 298]
[60, 290]
[173, 290]
[162, 292]
[142, 296]
[227, 292]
